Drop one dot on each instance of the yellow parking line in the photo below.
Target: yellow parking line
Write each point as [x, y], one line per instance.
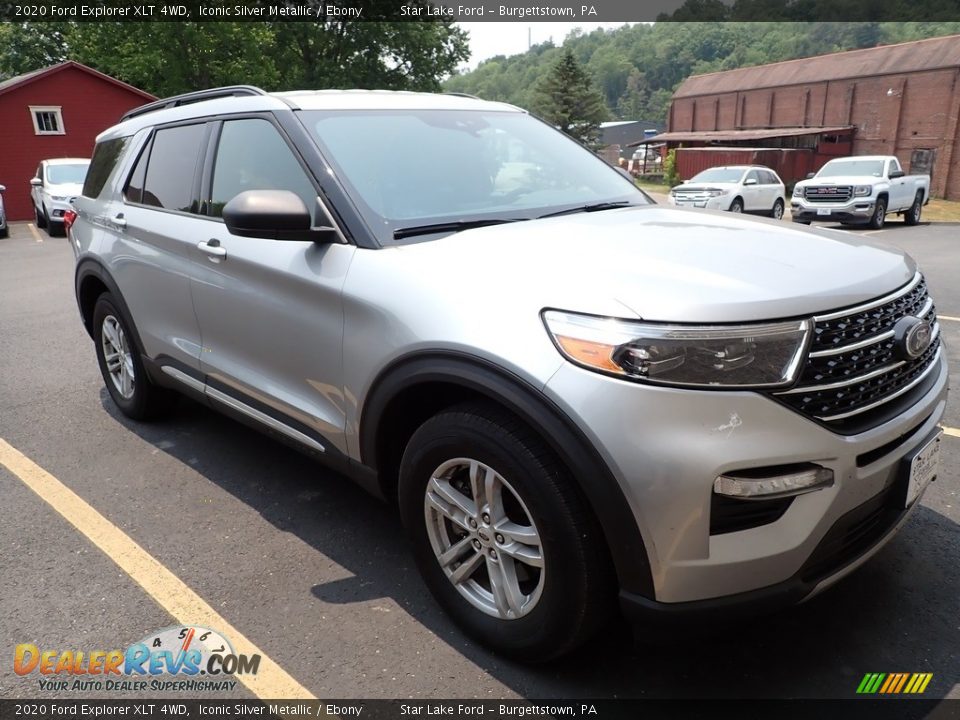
[951, 431]
[33, 231]
[948, 317]
[169, 591]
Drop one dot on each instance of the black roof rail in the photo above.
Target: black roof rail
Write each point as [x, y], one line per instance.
[193, 97]
[462, 94]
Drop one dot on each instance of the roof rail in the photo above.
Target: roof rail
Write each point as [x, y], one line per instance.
[462, 94]
[193, 97]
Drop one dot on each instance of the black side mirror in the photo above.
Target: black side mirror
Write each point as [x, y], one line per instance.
[894, 174]
[274, 215]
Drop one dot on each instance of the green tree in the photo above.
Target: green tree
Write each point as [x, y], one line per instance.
[567, 99]
[30, 46]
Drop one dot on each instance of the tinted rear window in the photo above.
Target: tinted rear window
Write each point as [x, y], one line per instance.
[105, 158]
[172, 167]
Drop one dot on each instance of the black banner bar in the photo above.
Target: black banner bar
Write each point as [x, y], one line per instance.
[165, 709]
[525, 11]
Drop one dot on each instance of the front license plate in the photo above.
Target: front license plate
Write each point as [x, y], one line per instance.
[923, 468]
[823, 211]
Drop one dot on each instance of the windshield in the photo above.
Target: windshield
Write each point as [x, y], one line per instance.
[410, 168]
[718, 175]
[852, 167]
[60, 174]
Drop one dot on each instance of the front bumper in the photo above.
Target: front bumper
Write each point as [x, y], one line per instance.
[56, 209]
[853, 212]
[720, 202]
[666, 446]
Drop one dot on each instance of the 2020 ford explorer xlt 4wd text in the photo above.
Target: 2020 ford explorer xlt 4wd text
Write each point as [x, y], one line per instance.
[573, 395]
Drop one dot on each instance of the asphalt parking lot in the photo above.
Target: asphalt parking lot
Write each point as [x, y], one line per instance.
[315, 573]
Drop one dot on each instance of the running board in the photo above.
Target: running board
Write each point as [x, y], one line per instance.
[243, 408]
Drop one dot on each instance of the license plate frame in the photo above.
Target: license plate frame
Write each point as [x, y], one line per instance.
[823, 211]
[923, 465]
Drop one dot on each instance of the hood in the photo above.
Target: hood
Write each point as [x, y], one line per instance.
[705, 186]
[664, 264]
[66, 189]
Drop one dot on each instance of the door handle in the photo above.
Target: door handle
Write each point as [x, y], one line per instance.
[119, 220]
[213, 249]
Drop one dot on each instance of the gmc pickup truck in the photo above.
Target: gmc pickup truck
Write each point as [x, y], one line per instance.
[860, 190]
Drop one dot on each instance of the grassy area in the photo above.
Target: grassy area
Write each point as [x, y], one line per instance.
[935, 211]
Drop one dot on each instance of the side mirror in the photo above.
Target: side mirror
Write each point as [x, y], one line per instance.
[274, 215]
[894, 174]
[36, 182]
[810, 175]
[3, 188]
[750, 181]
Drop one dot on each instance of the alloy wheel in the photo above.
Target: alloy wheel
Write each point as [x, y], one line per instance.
[119, 360]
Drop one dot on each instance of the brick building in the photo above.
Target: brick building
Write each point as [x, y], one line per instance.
[55, 112]
[901, 100]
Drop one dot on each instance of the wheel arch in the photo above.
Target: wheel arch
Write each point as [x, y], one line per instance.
[92, 280]
[416, 387]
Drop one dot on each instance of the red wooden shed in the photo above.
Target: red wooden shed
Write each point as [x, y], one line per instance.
[54, 112]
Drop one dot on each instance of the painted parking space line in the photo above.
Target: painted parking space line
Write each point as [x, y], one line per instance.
[34, 232]
[948, 317]
[952, 432]
[169, 591]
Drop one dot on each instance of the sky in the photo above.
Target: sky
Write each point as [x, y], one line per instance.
[488, 39]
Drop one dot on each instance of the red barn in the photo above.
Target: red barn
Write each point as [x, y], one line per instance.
[54, 112]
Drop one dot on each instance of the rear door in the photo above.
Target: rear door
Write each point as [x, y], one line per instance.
[269, 310]
[151, 241]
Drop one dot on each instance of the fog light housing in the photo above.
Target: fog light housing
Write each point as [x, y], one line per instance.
[767, 483]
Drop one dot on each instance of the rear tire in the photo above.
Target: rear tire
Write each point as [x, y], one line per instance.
[121, 365]
[477, 478]
[912, 216]
[777, 212]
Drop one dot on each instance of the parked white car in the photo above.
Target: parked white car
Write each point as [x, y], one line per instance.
[737, 188]
[55, 184]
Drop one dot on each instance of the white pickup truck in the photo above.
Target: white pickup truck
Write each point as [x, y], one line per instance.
[860, 190]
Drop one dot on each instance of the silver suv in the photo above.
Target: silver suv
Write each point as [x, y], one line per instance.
[576, 397]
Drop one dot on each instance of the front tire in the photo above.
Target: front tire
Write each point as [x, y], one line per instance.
[879, 215]
[501, 535]
[912, 216]
[41, 218]
[736, 206]
[121, 365]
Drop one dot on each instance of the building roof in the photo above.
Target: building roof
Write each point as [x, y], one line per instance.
[731, 135]
[27, 78]
[930, 54]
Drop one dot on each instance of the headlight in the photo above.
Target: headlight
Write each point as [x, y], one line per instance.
[797, 191]
[58, 197]
[715, 192]
[862, 190]
[734, 356]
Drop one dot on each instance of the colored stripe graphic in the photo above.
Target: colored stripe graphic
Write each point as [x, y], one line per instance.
[894, 683]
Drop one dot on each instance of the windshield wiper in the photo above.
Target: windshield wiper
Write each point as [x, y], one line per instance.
[452, 227]
[590, 208]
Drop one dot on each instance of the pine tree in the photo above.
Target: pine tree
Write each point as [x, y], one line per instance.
[567, 99]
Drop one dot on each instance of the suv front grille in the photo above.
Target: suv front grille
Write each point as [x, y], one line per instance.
[828, 193]
[852, 370]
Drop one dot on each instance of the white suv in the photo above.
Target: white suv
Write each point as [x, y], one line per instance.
[55, 184]
[737, 188]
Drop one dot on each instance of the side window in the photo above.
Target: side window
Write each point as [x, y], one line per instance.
[894, 166]
[105, 158]
[252, 155]
[134, 190]
[171, 167]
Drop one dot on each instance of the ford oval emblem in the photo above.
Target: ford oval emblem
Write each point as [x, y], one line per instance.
[912, 337]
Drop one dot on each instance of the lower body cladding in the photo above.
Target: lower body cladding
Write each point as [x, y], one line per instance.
[854, 213]
[667, 447]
